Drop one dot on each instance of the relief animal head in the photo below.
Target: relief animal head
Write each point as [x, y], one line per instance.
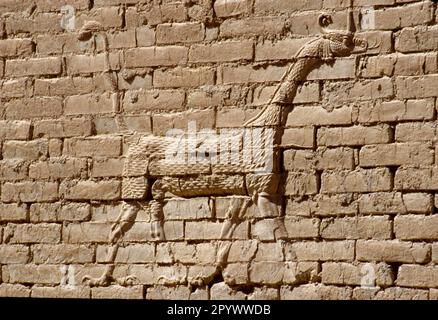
[342, 42]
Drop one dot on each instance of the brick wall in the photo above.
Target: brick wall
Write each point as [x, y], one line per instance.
[359, 148]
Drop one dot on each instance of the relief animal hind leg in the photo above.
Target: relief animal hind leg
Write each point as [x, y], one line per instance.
[157, 216]
[123, 223]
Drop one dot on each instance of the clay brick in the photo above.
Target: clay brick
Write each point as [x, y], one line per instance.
[360, 180]
[269, 252]
[62, 128]
[221, 291]
[56, 168]
[121, 40]
[344, 68]
[108, 167]
[298, 228]
[338, 93]
[13, 6]
[142, 100]
[394, 111]
[175, 78]
[272, 229]
[263, 6]
[182, 252]
[419, 38]
[415, 131]
[201, 119]
[264, 293]
[360, 3]
[63, 86]
[33, 108]
[298, 137]
[322, 205]
[16, 47]
[416, 87]
[223, 51]
[407, 16]
[323, 251]
[248, 74]
[91, 104]
[233, 118]
[271, 273]
[180, 32]
[353, 136]
[34, 66]
[227, 8]
[198, 208]
[78, 64]
[417, 276]
[435, 252]
[392, 251]
[109, 17]
[34, 274]
[322, 159]
[62, 253]
[415, 64]
[402, 294]
[29, 150]
[416, 227]
[14, 130]
[308, 92]
[14, 290]
[13, 169]
[257, 26]
[378, 66]
[156, 56]
[14, 254]
[161, 292]
[301, 183]
[96, 146]
[16, 88]
[30, 192]
[279, 50]
[349, 274]
[90, 190]
[133, 253]
[62, 43]
[37, 23]
[356, 228]
[315, 292]
[212, 230]
[415, 179]
[145, 36]
[395, 203]
[87, 232]
[48, 5]
[13, 212]
[61, 292]
[33, 233]
[306, 116]
[396, 154]
[203, 99]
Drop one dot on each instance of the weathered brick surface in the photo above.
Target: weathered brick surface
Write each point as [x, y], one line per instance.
[392, 251]
[357, 184]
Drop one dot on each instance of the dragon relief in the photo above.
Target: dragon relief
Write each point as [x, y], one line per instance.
[148, 176]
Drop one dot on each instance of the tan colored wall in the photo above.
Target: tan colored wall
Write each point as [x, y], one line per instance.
[362, 171]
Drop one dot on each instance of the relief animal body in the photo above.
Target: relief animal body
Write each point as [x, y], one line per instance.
[148, 175]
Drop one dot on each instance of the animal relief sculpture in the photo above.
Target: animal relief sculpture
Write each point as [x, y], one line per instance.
[244, 162]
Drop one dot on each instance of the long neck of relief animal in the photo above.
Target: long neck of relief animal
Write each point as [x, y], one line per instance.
[274, 114]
